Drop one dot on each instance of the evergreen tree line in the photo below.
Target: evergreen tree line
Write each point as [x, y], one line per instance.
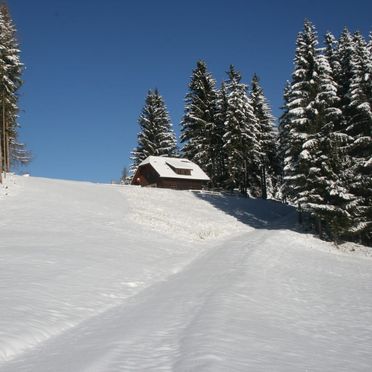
[229, 132]
[325, 142]
[319, 160]
[12, 151]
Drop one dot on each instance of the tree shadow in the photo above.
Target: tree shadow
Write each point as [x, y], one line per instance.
[257, 213]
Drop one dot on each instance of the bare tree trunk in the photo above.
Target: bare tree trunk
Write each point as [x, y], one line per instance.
[245, 179]
[263, 183]
[7, 148]
[1, 160]
[2, 150]
[335, 239]
[299, 214]
[319, 223]
[5, 140]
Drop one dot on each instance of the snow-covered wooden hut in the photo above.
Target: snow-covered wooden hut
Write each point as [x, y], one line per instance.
[171, 173]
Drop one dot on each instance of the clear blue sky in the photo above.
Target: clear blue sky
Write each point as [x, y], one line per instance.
[89, 64]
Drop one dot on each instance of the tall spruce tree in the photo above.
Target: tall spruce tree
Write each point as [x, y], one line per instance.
[283, 145]
[201, 133]
[330, 52]
[359, 128]
[343, 75]
[352, 60]
[221, 110]
[241, 136]
[266, 137]
[326, 195]
[299, 112]
[314, 126]
[10, 82]
[156, 137]
[339, 54]
[325, 132]
[370, 43]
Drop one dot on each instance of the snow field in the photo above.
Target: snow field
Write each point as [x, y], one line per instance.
[71, 250]
[180, 215]
[130, 279]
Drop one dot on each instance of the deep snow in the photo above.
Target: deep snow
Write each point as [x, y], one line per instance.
[119, 278]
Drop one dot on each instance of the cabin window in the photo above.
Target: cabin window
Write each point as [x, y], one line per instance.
[182, 171]
[186, 172]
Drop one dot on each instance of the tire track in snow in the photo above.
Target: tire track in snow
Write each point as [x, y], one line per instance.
[156, 328]
[259, 301]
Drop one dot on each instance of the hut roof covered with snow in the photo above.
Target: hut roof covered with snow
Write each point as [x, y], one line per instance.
[178, 173]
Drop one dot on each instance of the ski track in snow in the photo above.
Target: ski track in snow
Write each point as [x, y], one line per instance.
[94, 288]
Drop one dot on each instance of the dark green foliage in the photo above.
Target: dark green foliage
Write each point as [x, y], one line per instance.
[10, 82]
[220, 132]
[156, 137]
[359, 128]
[241, 135]
[299, 112]
[325, 133]
[266, 137]
[201, 130]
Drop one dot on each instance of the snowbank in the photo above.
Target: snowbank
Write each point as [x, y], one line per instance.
[180, 215]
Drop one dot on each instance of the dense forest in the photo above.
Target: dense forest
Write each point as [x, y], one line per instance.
[316, 157]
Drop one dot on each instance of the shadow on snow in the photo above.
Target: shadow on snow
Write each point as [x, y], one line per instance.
[257, 213]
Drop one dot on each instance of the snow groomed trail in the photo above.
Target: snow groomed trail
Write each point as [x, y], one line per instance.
[214, 295]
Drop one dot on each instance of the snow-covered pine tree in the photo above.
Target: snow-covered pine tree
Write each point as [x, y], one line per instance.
[361, 91]
[299, 112]
[325, 196]
[283, 145]
[221, 109]
[241, 136]
[370, 43]
[325, 131]
[125, 178]
[156, 136]
[339, 54]
[359, 128]
[200, 131]
[10, 81]
[351, 57]
[330, 52]
[342, 70]
[266, 137]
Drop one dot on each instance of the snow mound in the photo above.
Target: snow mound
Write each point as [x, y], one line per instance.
[355, 249]
[180, 214]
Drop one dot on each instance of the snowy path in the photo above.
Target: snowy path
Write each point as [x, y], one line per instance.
[71, 250]
[262, 300]
[246, 306]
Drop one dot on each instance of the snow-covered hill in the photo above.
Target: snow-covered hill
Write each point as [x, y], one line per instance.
[112, 278]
